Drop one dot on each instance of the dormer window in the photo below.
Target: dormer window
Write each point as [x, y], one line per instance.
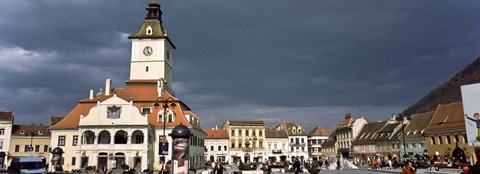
[294, 131]
[40, 132]
[299, 131]
[22, 132]
[170, 117]
[160, 117]
[146, 110]
[149, 30]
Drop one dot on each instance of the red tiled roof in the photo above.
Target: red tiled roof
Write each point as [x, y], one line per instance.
[319, 131]
[16, 129]
[447, 117]
[142, 94]
[6, 116]
[216, 134]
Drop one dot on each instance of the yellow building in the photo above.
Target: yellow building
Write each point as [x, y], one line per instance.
[29, 140]
[247, 140]
[445, 136]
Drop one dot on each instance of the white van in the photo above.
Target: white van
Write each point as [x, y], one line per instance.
[27, 165]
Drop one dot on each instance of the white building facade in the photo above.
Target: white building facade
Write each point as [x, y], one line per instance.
[126, 127]
[216, 146]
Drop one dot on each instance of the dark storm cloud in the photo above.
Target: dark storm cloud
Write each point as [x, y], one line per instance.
[317, 60]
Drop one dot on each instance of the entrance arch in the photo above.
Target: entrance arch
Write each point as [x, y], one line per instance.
[459, 155]
[247, 158]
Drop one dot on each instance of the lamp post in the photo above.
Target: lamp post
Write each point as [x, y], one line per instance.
[163, 138]
[401, 117]
[30, 148]
[246, 149]
[254, 138]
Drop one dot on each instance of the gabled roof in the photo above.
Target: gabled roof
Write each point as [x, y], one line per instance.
[143, 94]
[6, 116]
[216, 134]
[447, 117]
[368, 133]
[418, 124]
[288, 126]
[273, 133]
[319, 131]
[28, 129]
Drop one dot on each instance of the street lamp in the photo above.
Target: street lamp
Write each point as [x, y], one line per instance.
[246, 149]
[254, 138]
[401, 117]
[30, 148]
[164, 103]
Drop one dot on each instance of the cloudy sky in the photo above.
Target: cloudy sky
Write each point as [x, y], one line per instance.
[310, 62]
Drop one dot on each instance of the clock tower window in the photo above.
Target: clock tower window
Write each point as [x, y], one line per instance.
[149, 30]
[146, 69]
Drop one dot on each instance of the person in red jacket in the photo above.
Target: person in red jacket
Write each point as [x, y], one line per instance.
[408, 169]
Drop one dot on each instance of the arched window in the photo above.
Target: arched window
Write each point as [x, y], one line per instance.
[121, 137]
[104, 137]
[137, 137]
[88, 137]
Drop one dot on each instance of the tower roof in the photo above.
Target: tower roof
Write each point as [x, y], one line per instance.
[152, 27]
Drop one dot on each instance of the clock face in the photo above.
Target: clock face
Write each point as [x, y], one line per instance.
[147, 51]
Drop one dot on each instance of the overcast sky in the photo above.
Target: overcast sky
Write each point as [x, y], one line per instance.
[310, 62]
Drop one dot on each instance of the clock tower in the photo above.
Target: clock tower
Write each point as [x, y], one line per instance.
[151, 57]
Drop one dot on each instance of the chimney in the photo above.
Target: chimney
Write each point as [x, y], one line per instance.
[91, 94]
[108, 86]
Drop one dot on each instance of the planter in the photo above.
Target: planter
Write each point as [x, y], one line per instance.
[313, 171]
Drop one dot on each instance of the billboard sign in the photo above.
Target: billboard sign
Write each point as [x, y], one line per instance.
[471, 111]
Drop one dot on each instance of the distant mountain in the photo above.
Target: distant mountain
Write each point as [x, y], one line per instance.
[448, 92]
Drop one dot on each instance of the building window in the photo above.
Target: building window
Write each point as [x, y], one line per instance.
[1, 144]
[146, 69]
[45, 148]
[211, 148]
[37, 148]
[17, 148]
[246, 132]
[75, 140]
[139, 139]
[233, 144]
[433, 140]
[74, 160]
[260, 144]
[22, 132]
[160, 118]
[2, 131]
[233, 132]
[465, 138]
[448, 140]
[239, 132]
[254, 132]
[146, 110]
[170, 118]
[456, 138]
[260, 132]
[61, 140]
[219, 148]
[440, 140]
[26, 148]
[225, 148]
